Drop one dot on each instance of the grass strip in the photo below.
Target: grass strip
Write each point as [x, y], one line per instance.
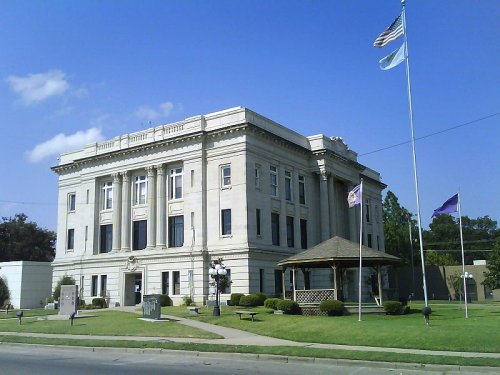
[274, 350]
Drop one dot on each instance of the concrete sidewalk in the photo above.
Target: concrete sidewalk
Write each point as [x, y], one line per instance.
[233, 336]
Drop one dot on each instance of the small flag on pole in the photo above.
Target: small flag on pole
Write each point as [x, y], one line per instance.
[393, 59]
[448, 207]
[354, 196]
[391, 33]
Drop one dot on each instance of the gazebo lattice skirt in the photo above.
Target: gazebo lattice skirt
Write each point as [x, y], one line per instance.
[314, 296]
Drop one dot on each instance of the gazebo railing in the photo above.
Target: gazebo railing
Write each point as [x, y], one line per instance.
[313, 296]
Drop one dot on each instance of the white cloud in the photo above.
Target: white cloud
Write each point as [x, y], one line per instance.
[150, 114]
[38, 87]
[62, 143]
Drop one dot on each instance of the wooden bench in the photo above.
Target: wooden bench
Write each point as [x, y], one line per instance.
[251, 313]
[193, 310]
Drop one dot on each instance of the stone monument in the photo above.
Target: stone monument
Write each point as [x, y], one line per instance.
[151, 308]
[68, 301]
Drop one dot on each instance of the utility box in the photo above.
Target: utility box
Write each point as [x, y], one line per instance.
[151, 308]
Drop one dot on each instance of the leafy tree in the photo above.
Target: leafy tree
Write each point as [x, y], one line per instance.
[21, 239]
[435, 258]
[444, 235]
[396, 230]
[64, 280]
[492, 276]
[4, 291]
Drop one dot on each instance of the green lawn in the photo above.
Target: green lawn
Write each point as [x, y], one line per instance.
[449, 329]
[105, 323]
[27, 313]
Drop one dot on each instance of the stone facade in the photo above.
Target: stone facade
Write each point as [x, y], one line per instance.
[145, 213]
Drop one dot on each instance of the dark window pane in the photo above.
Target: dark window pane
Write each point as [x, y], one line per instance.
[140, 235]
[165, 283]
[275, 228]
[71, 239]
[106, 238]
[176, 231]
[226, 222]
[94, 286]
[177, 282]
[257, 219]
[290, 232]
[303, 233]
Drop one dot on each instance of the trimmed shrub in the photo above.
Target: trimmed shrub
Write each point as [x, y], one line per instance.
[288, 307]
[250, 301]
[332, 307]
[235, 298]
[165, 300]
[393, 308]
[65, 280]
[272, 303]
[262, 298]
[99, 303]
[4, 291]
[187, 301]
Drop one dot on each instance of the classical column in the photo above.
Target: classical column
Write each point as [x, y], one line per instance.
[161, 213]
[333, 206]
[117, 211]
[151, 238]
[125, 222]
[324, 206]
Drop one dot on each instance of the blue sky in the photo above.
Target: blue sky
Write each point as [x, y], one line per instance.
[76, 72]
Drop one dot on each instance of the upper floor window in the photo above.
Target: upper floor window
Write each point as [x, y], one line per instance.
[225, 173]
[288, 185]
[290, 232]
[70, 245]
[257, 176]
[302, 190]
[71, 202]
[225, 222]
[275, 229]
[175, 185]
[176, 231]
[273, 175]
[140, 189]
[107, 195]
[367, 213]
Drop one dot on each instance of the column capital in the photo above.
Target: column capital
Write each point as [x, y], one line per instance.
[160, 169]
[116, 178]
[151, 171]
[324, 174]
[125, 176]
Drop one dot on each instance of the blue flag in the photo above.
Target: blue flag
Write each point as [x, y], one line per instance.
[448, 207]
[393, 59]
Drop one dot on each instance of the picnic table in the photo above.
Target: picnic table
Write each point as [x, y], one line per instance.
[242, 312]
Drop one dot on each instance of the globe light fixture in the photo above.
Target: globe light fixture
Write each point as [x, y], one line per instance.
[217, 271]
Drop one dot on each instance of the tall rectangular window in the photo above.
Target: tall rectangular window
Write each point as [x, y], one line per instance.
[165, 283]
[273, 176]
[378, 242]
[290, 233]
[139, 235]
[302, 190]
[175, 184]
[367, 212]
[141, 190]
[177, 282]
[104, 285]
[107, 195]
[93, 289]
[71, 202]
[288, 185]
[176, 231]
[257, 176]
[106, 240]
[278, 282]
[261, 280]
[257, 221]
[225, 175]
[369, 240]
[275, 228]
[303, 234]
[225, 222]
[71, 239]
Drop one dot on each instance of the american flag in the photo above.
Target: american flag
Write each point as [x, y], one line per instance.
[392, 33]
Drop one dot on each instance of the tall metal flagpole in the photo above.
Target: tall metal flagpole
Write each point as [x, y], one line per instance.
[414, 153]
[463, 257]
[360, 244]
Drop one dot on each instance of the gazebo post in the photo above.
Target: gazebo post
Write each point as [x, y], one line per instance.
[293, 284]
[335, 293]
[379, 280]
[283, 282]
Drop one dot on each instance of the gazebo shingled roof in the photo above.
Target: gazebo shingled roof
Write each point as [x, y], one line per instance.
[341, 251]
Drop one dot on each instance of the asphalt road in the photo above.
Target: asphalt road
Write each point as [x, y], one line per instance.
[41, 360]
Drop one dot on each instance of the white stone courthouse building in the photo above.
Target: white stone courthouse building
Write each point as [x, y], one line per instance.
[147, 212]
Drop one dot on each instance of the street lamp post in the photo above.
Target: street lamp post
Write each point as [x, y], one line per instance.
[217, 271]
[466, 275]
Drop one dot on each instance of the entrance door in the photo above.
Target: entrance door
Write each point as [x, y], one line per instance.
[133, 289]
